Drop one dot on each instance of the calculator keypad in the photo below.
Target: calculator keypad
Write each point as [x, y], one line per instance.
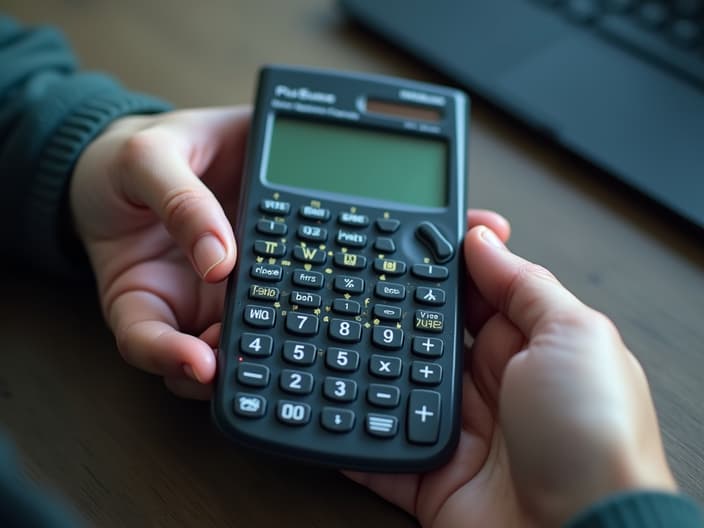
[339, 336]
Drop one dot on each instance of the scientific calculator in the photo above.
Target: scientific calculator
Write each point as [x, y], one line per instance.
[342, 336]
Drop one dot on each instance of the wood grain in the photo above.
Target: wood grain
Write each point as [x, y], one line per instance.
[127, 453]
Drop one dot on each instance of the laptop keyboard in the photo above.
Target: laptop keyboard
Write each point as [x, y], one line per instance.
[670, 33]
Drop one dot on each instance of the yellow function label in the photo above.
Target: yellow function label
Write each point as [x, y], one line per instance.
[309, 253]
[389, 265]
[270, 247]
[426, 324]
[429, 321]
[264, 292]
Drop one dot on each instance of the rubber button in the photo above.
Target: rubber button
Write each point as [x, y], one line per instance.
[438, 245]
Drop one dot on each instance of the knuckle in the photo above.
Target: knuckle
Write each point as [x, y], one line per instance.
[179, 206]
[601, 324]
[123, 340]
[583, 321]
[525, 279]
[137, 150]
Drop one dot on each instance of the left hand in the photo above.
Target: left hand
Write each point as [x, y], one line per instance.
[146, 197]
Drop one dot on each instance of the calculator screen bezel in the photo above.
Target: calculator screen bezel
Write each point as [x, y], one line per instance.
[374, 129]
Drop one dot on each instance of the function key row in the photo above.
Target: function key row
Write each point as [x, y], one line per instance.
[349, 261]
[321, 214]
[312, 233]
[341, 284]
[422, 416]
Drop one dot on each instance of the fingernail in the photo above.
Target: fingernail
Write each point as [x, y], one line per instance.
[190, 373]
[490, 237]
[208, 253]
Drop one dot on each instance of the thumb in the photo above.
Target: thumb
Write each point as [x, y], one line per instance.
[159, 176]
[526, 293]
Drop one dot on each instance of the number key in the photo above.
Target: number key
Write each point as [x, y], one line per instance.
[345, 307]
[345, 331]
[296, 382]
[302, 323]
[342, 359]
[293, 413]
[256, 345]
[340, 389]
[299, 353]
[387, 337]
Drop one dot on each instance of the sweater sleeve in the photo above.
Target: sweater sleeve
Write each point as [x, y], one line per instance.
[49, 112]
[641, 509]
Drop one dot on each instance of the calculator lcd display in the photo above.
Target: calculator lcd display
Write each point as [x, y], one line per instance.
[357, 161]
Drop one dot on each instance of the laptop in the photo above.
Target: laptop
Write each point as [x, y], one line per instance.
[618, 82]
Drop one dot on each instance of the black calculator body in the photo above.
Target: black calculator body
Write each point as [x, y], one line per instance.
[342, 337]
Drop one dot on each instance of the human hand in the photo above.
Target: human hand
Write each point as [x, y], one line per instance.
[557, 413]
[146, 198]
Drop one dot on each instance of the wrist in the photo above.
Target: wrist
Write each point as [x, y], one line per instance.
[621, 475]
[643, 508]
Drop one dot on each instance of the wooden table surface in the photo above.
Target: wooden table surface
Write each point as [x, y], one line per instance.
[125, 452]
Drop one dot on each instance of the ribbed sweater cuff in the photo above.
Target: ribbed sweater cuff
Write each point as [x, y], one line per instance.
[644, 509]
[53, 237]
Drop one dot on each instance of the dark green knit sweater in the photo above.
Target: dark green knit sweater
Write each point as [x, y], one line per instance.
[49, 112]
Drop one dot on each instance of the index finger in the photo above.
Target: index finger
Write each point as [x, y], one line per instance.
[148, 338]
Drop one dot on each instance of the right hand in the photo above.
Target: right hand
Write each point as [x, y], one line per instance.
[557, 413]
